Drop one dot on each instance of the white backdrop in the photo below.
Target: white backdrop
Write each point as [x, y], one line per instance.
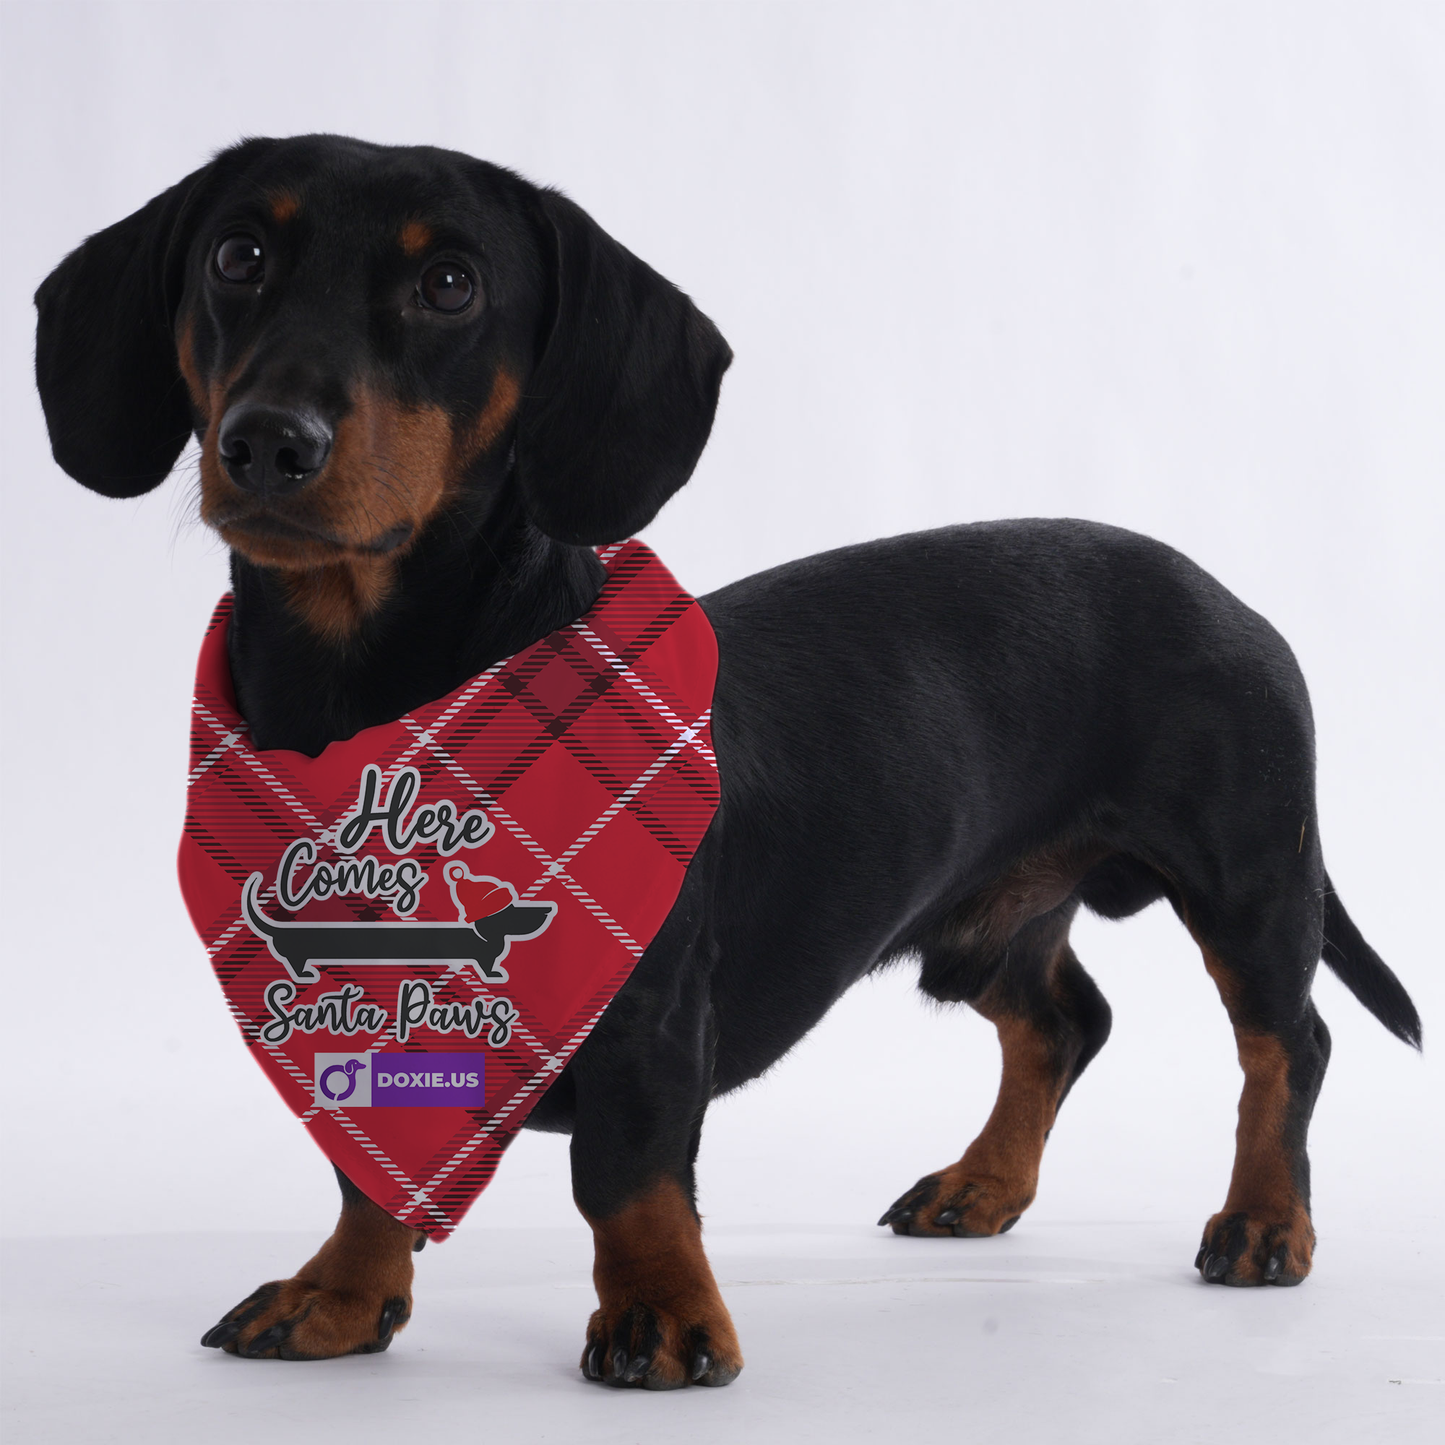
[1176, 267]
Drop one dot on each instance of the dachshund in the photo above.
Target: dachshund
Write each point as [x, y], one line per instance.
[425, 391]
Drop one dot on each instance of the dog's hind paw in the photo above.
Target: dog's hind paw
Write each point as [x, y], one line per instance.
[649, 1349]
[1239, 1249]
[290, 1319]
[958, 1204]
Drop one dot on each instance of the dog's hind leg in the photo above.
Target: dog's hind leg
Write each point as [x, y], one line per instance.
[349, 1299]
[1262, 957]
[1051, 1021]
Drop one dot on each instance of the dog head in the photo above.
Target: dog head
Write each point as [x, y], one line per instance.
[365, 338]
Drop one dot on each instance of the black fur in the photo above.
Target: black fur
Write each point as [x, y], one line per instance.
[939, 745]
[1364, 972]
[622, 400]
[105, 348]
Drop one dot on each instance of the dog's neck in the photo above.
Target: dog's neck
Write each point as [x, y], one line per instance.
[465, 596]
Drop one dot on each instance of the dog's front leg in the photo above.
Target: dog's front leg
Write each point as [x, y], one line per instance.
[642, 1082]
[349, 1299]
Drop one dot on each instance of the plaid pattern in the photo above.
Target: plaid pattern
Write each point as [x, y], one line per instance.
[591, 756]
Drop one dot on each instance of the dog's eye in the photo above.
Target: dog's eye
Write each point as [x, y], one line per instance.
[446, 287]
[241, 259]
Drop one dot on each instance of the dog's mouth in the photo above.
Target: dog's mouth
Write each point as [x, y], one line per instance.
[264, 536]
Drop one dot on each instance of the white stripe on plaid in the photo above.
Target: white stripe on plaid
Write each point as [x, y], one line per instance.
[554, 869]
[325, 833]
[252, 760]
[495, 811]
[214, 948]
[425, 737]
[638, 685]
[228, 741]
[399, 1175]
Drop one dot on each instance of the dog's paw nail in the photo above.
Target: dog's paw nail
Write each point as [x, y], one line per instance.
[392, 1311]
[221, 1334]
[1216, 1267]
[637, 1367]
[267, 1340]
[619, 1363]
[1008, 1224]
[701, 1364]
[1201, 1256]
[947, 1217]
[1273, 1265]
[592, 1365]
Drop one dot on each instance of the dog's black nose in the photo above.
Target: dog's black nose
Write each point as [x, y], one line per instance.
[272, 450]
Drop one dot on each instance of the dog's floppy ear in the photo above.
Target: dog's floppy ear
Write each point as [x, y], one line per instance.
[105, 351]
[620, 404]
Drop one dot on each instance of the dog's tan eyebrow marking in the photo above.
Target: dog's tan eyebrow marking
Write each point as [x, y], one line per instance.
[415, 237]
[284, 205]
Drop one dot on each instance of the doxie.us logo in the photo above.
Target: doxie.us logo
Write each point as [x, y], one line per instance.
[343, 1081]
[400, 1080]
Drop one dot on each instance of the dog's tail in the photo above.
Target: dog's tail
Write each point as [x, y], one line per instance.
[1365, 973]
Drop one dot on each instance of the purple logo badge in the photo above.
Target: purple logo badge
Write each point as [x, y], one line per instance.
[400, 1081]
[338, 1081]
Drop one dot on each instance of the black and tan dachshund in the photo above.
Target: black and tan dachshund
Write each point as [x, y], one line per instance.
[424, 391]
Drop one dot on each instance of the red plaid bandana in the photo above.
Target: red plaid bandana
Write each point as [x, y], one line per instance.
[416, 929]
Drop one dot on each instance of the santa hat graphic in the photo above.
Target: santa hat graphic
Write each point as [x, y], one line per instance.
[477, 898]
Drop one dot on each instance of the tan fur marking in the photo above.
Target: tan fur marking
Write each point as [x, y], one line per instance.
[335, 1299]
[1261, 1185]
[650, 1254]
[1011, 1143]
[186, 360]
[501, 407]
[1224, 981]
[1261, 1182]
[998, 1176]
[416, 237]
[389, 464]
[284, 206]
[335, 600]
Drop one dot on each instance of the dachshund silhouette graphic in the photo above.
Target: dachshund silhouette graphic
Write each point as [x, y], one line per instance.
[490, 919]
[351, 1068]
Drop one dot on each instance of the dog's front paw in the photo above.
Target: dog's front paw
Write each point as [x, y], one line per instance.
[1240, 1249]
[290, 1319]
[960, 1203]
[655, 1349]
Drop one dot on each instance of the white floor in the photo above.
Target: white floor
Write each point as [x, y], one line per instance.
[1060, 1331]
